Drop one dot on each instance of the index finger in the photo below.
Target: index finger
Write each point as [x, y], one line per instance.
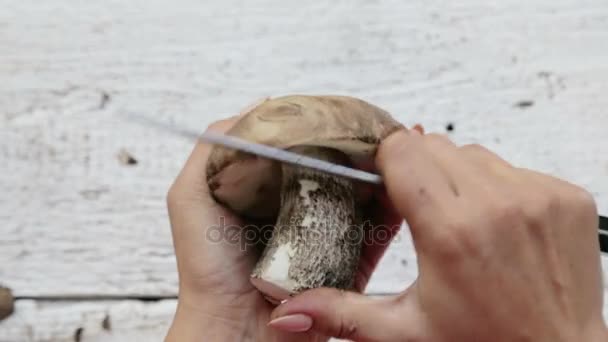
[418, 188]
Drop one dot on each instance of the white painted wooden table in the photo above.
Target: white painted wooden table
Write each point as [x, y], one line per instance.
[527, 79]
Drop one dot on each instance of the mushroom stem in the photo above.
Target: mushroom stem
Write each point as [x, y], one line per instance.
[317, 238]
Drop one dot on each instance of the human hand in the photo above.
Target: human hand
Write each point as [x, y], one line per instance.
[216, 299]
[504, 254]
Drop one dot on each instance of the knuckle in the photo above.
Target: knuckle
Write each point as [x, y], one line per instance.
[483, 154]
[583, 204]
[568, 203]
[553, 205]
[397, 144]
[539, 210]
[342, 323]
[396, 141]
[584, 199]
[548, 206]
[438, 138]
[474, 148]
[478, 151]
[347, 328]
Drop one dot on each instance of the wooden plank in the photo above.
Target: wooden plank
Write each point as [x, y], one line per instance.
[527, 80]
[87, 321]
[91, 321]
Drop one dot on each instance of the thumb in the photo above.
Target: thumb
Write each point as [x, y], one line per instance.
[348, 315]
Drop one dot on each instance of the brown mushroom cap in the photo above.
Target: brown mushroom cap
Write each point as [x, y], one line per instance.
[250, 185]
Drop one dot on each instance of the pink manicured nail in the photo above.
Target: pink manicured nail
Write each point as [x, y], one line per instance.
[292, 323]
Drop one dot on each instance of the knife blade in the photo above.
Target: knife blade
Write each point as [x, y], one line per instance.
[298, 159]
[263, 151]
[289, 157]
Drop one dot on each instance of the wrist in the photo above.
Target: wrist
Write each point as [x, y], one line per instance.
[193, 324]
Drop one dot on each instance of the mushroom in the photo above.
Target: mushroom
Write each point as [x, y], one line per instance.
[318, 218]
[7, 302]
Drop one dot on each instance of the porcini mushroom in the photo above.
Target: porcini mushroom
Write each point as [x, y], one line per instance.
[316, 241]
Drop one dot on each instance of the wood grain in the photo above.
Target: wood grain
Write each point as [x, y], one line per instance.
[528, 80]
[91, 321]
[105, 321]
[87, 321]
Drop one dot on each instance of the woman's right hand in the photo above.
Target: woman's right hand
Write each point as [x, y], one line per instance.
[504, 254]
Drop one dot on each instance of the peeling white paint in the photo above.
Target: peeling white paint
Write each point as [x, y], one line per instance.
[77, 222]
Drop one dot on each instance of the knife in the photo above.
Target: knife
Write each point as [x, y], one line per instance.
[262, 150]
[298, 159]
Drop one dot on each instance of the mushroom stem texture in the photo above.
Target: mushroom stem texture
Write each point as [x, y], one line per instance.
[317, 238]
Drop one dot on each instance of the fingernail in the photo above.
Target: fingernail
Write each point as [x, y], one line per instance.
[292, 323]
